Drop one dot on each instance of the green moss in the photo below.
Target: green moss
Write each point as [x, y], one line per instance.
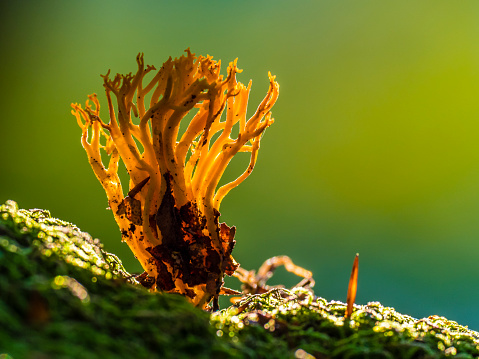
[301, 322]
[63, 296]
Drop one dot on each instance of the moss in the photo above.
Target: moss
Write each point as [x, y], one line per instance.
[305, 324]
[63, 296]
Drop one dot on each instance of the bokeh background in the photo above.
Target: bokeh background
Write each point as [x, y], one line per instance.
[375, 148]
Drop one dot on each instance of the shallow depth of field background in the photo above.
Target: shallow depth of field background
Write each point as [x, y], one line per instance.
[375, 148]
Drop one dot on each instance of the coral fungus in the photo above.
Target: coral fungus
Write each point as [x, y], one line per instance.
[169, 218]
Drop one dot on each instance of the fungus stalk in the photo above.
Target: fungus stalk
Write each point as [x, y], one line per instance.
[169, 217]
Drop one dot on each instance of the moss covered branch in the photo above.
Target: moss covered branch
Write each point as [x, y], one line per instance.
[64, 296]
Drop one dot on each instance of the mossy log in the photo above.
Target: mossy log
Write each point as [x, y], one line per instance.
[63, 296]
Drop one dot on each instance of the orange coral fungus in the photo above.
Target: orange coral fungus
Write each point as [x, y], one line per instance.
[169, 217]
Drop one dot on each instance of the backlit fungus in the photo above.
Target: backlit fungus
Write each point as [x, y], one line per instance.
[169, 217]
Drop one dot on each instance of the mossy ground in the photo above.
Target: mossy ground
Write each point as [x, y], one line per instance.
[62, 296]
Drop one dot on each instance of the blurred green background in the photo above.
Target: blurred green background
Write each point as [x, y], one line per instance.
[374, 150]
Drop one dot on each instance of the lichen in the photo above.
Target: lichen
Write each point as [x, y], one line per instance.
[169, 218]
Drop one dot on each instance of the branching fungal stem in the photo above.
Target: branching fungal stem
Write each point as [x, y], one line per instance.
[169, 217]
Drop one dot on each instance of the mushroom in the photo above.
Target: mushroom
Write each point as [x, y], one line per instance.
[170, 216]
